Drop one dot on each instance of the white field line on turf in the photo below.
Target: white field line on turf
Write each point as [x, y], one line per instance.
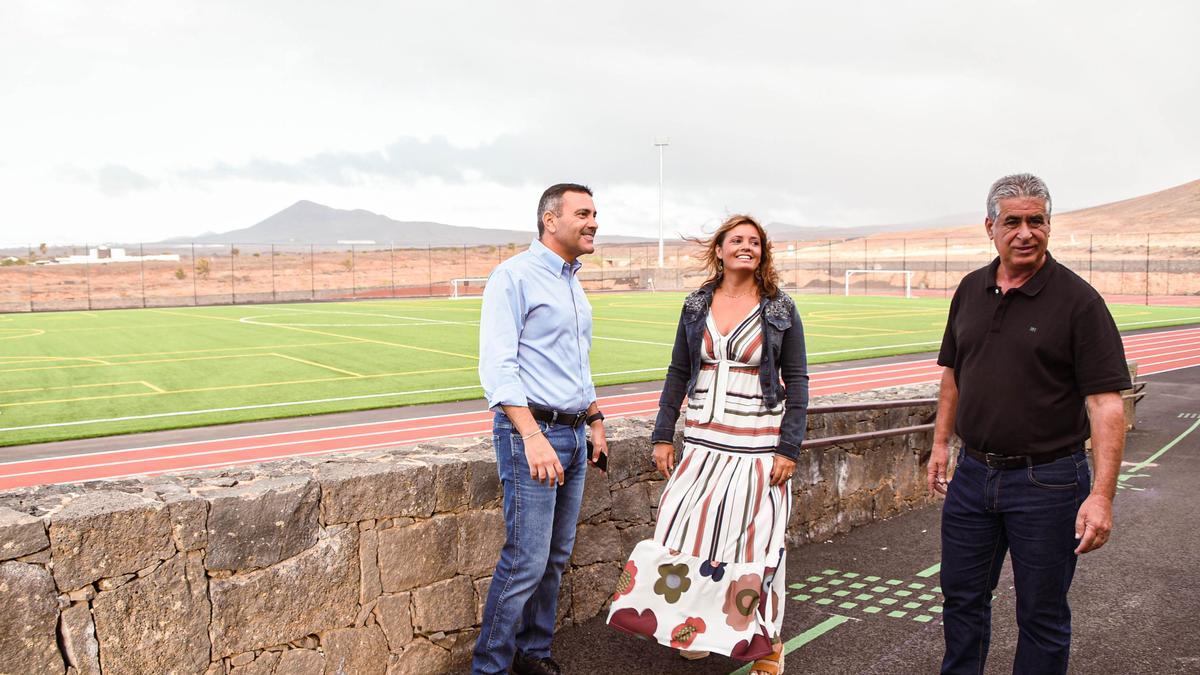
[253, 460]
[282, 404]
[370, 396]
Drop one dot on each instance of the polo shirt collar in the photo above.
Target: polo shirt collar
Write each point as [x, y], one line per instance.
[1035, 284]
[551, 260]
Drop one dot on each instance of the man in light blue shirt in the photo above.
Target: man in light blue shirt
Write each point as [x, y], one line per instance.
[535, 332]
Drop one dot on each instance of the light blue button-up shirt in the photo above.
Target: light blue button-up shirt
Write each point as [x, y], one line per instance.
[535, 332]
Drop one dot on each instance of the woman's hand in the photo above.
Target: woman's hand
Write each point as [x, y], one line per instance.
[664, 458]
[782, 470]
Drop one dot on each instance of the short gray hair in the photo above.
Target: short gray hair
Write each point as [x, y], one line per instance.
[552, 199]
[1016, 185]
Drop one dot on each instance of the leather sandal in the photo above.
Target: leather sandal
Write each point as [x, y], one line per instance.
[771, 664]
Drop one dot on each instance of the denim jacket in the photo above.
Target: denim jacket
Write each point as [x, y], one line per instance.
[783, 356]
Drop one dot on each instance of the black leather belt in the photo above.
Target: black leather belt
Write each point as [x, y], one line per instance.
[552, 416]
[995, 461]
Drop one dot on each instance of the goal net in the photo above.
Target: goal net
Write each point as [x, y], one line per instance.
[467, 287]
[908, 274]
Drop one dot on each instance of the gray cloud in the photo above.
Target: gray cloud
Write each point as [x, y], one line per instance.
[112, 180]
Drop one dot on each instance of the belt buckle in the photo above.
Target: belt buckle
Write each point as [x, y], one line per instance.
[553, 417]
[995, 461]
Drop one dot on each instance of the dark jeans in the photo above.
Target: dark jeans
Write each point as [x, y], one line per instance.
[539, 520]
[1030, 511]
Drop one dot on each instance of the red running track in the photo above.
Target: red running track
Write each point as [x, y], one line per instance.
[1154, 352]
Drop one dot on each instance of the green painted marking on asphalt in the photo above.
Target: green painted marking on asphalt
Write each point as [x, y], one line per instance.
[824, 601]
[858, 585]
[863, 596]
[897, 614]
[930, 571]
[936, 609]
[903, 593]
[871, 578]
[813, 578]
[911, 605]
[888, 601]
[850, 575]
[916, 585]
[803, 639]
[848, 605]
[1149, 460]
[937, 589]
[925, 596]
[818, 589]
[802, 597]
[835, 582]
[796, 586]
[893, 582]
[923, 618]
[828, 572]
[842, 593]
[879, 589]
[872, 610]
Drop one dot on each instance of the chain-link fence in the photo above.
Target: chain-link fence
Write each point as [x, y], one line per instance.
[1147, 268]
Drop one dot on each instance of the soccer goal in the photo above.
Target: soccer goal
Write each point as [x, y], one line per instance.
[907, 278]
[467, 287]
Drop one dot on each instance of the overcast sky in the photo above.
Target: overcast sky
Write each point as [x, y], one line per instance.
[143, 120]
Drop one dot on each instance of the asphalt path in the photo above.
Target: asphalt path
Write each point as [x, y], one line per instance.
[1135, 602]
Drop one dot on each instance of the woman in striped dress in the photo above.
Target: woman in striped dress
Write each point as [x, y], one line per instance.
[711, 579]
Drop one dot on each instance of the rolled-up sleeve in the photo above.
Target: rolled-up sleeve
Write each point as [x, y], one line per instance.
[500, 322]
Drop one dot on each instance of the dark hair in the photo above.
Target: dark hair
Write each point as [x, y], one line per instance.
[766, 275]
[551, 201]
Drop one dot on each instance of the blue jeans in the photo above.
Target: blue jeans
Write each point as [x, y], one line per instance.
[539, 520]
[1030, 511]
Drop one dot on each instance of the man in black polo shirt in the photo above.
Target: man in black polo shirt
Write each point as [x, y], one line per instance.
[1033, 366]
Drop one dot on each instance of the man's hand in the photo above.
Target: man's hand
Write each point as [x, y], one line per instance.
[664, 458]
[543, 460]
[782, 470]
[1093, 524]
[939, 459]
[599, 441]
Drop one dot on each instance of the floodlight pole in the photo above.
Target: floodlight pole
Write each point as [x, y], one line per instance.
[660, 143]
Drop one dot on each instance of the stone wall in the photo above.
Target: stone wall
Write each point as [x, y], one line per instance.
[374, 562]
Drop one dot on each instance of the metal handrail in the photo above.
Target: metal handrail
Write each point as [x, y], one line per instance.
[869, 435]
[870, 405]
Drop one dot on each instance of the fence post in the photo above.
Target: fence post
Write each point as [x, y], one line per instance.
[429, 265]
[195, 297]
[829, 254]
[312, 273]
[946, 266]
[29, 277]
[1147, 269]
[87, 275]
[142, 262]
[353, 270]
[1090, 260]
[464, 261]
[392, 265]
[232, 278]
[273, 296]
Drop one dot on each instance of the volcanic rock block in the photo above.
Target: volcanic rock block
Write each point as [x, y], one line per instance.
[108, 534]
[258, 524]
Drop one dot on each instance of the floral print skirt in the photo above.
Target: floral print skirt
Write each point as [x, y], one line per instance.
[712, 578]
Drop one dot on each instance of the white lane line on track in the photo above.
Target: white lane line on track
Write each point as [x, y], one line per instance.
[393, 426]
[256, 459]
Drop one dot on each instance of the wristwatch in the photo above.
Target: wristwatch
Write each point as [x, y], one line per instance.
[592, 419]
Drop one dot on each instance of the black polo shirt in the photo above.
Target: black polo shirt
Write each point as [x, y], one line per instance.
[1024, 360]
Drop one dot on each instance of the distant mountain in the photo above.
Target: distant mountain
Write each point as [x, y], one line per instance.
[785, 232]
[307, 222]
[1173, 210]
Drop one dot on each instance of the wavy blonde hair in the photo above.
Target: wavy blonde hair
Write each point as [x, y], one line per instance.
[766, 275]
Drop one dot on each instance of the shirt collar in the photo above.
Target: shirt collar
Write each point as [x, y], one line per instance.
[1035, 284]
[552, 261]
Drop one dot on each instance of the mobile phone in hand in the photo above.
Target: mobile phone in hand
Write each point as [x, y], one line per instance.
[601, 463]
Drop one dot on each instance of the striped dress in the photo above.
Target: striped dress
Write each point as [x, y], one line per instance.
[712, 577]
